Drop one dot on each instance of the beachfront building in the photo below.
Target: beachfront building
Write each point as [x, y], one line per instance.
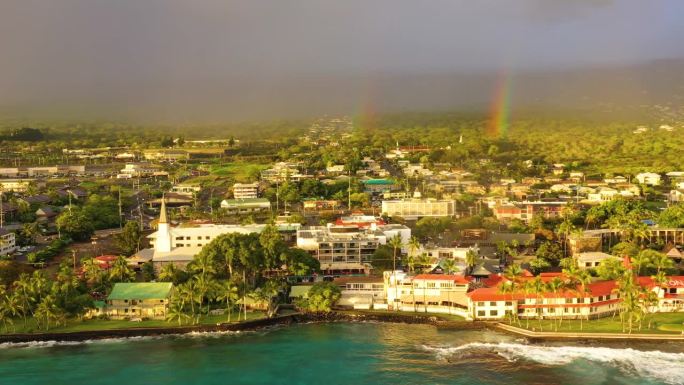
[418, 208]
[246, 205]
[129, 300]
[600, 299]
[362, 292]
[347, 249]
[8, 243]
[429, 293]
[178, 245]
[246, 190]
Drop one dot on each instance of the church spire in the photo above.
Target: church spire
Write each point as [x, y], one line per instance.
[162, 211]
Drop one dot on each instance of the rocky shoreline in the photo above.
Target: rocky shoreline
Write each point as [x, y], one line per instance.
[242, 326]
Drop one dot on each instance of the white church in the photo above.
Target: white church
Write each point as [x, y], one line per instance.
[179, 245]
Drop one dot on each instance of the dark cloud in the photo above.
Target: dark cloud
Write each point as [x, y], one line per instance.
[230, 59]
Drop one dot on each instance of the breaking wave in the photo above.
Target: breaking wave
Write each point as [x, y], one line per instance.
[53, 343]
[662, 366]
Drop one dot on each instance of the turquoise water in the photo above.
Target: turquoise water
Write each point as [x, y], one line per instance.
[340, 353]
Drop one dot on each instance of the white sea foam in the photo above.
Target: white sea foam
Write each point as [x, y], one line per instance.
[49, 344]
[662, 366]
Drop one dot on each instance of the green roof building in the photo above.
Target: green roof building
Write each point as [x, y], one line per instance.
[139, 300]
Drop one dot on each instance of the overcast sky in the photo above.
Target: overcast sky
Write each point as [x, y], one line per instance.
[125, 55]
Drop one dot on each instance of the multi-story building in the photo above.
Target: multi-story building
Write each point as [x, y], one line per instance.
[246, 205]
[283, 171]
[7, 242]
[347, 249]
[431, 293]
[135, 170]
[15, 185]
[417, 208]
[362, 292]
[186, 189]
[246, 190]
[649, 178]
[138, 300]
[526, 210]
[166, 155]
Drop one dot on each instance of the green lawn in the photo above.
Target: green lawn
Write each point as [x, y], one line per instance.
[661, 323]
[74, 325]
[238, 170]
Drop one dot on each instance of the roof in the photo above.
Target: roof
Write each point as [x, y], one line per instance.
[378, 181]
[674, 253]
[162, 211]
[442, 277]
[600, 288]
[246, 200]
[360, 279]
[300, 291]
[480, 270]
[140, 290]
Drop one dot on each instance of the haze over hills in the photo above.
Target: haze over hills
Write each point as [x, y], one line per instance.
[627, 91]
[231, 60]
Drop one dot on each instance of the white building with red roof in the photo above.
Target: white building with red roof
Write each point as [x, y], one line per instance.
[430, 293]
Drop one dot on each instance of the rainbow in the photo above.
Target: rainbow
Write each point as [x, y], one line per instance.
[500, 110]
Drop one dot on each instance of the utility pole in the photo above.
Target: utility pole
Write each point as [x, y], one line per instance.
[120, 213]
[349, 190]
[2, 208]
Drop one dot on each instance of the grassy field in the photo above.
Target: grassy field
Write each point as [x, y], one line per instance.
[74, 325]
[661, 323]
[240, 171]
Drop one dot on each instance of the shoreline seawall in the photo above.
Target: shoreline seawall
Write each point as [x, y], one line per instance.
[289, 319]
[335, 316]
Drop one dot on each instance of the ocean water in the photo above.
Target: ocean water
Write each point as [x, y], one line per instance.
[340, 353]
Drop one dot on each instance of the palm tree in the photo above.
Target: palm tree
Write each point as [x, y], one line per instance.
[449, 266]
[555, 286]
[538, 288]
[470, 259]
[583, 279]
[167, 273]
[47, 311]
[202, 264]
[120, 271]
[176, 312]
[396, 244]
[22, 287]
[413, 245]
[229, 293]
[661, 262]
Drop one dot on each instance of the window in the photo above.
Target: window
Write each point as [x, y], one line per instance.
[492, 303]
[480, 313]
[509, 303]
[431, 285]
[493, 313]
[480, 304]
[179, 245]
[179, 238]
[207, 237]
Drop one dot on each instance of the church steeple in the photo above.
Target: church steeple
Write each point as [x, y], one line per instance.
[162, 242]
[162, 211]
